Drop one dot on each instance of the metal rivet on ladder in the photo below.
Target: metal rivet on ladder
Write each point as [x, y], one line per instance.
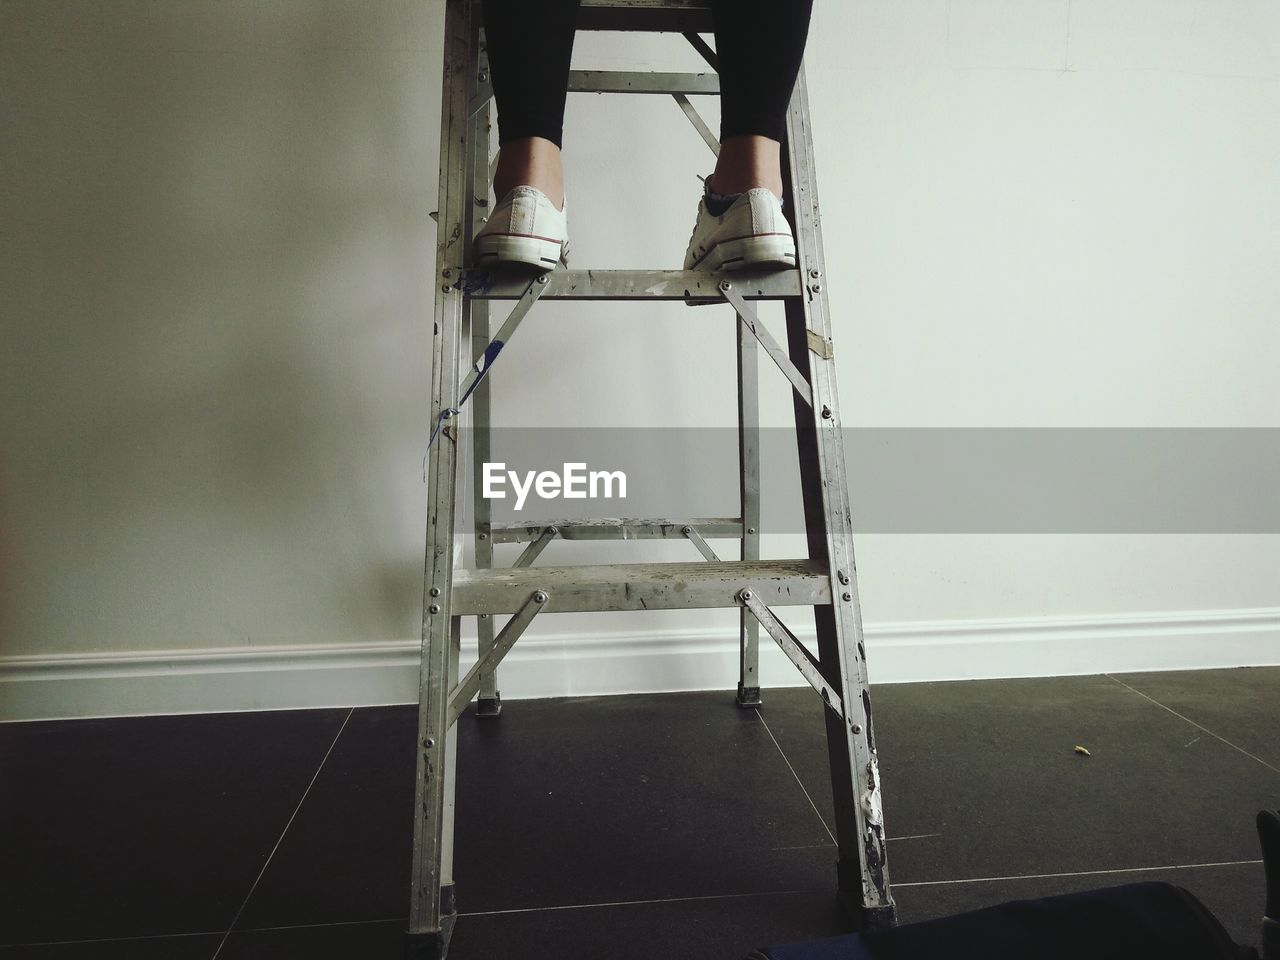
[428, 743]
[844, 577]
[856, 728]
[539, 597]
[434, 608]
[542, 278]
[435, 591]
[815, 273]
[847, 595]
[445, 287]
[816, 287]
[446, 273]
[745, 595]
[726, 285]
[826, 412]
[483, 76]
[751, 529]
[484, 536]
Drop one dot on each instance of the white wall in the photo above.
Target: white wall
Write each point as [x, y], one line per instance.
[216, 262]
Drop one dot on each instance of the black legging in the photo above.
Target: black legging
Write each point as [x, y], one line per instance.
[759, 44]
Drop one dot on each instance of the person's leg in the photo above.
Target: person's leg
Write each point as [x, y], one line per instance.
[529, 45]
[759, 44]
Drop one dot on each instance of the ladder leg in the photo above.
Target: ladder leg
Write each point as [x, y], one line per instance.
[489, 701]
[431, 913]
[448, 898]
[862, 869]
[749, 462]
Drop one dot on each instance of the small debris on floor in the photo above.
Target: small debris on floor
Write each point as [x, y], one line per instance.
[1083, 751]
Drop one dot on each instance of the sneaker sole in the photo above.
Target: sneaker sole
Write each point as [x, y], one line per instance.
[534, 251]
[747, 252]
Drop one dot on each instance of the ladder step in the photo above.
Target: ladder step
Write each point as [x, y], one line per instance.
[675, 16]
[616, 528]
[619, 81]
[508, 283]
[642, 586]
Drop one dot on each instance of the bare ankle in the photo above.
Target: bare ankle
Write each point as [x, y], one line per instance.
[746, 162]
[534, 162]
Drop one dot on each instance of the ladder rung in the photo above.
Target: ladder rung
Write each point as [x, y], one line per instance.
[675, 16]
[620, 81]
[642, 586]
[510, 284]
[620, 528]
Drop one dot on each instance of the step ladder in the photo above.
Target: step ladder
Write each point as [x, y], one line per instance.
[825, 579]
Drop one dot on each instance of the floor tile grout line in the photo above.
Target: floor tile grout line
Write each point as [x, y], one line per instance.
[1077, 873]
[787, 761]
[145, 936]
[821, 846]
[634, 903]
[630, 903]
[1194, 724]
[305, 793]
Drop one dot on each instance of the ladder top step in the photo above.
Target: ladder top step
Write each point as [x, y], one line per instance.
[642, 586]
[616, 528]
[630, 81]
[675, 16]
[510, 283]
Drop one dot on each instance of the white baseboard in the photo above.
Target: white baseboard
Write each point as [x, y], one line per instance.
[386, 672]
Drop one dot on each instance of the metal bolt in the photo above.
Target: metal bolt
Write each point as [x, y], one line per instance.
[484, 536]
[725, 285]
[686, 529]
[815, 273]
[434, 608]
[483, 76]
[816, 288]
[435, 591]
[847, 595]
[539, 597]
[844, 577]
[445, 287]
[484, 616]
[826, 412]
[857, 728]
[751, 529]
[446, 272]
[428, 743]
[542, 278]
[745, 595]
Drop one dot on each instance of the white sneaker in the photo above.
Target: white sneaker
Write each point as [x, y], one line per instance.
[752, 233]
[525, 227]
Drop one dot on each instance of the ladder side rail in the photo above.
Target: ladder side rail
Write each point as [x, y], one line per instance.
[489, 701]
[749, 506]
[863, 869]
[430, 921]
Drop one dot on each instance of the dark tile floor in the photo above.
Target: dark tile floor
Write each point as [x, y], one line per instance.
[667, 825]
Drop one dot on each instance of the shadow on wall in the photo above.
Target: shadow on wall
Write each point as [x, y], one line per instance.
[216, 246]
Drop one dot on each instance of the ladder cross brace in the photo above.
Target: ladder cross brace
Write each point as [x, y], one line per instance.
[461, 695]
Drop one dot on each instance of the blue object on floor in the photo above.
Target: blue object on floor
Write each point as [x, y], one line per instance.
[1140, 921]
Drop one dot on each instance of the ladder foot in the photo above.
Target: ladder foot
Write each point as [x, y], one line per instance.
[434, 944]
[430, 946]
[749, 696]
[489, 706]
[863, 917]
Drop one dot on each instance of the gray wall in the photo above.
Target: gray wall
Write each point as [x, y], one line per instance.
[216, 258]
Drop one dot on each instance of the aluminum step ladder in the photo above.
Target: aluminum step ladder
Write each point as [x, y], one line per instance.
[825, 579]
